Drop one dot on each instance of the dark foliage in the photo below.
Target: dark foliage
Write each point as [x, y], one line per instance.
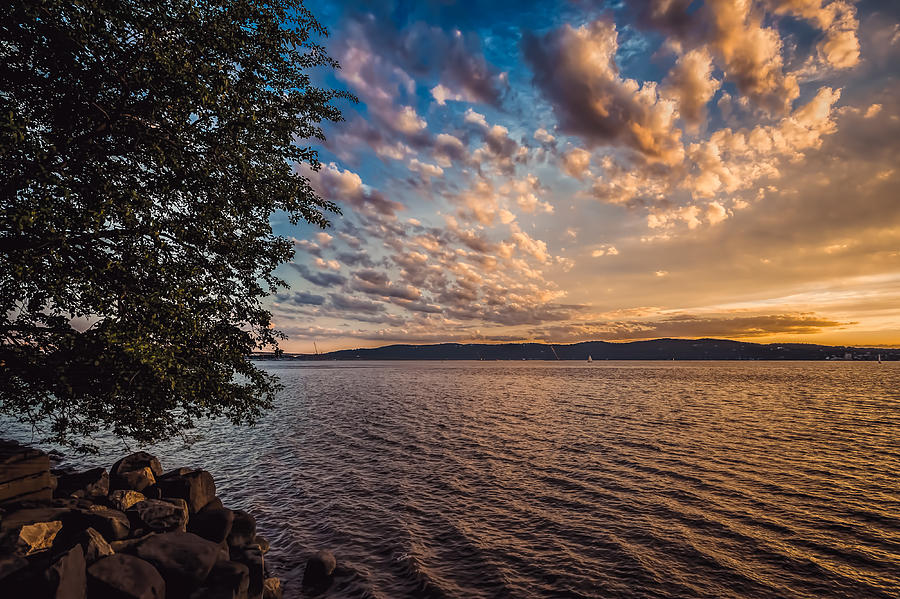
[144, 145]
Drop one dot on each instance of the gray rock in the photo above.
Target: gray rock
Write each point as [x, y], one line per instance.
[123, 499]
[243, 530]
[319, 568]
[197, 487]
[183, 559]
[272, 589]
[137, 461]
[125, 577]
[158, 516]
[94, 546]
[212, 524]
[253, 559]
[91, 483]
[66, 578]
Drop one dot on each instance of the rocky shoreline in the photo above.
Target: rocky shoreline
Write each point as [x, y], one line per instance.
[132, 532]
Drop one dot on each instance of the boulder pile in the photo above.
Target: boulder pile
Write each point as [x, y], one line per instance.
[133, 532]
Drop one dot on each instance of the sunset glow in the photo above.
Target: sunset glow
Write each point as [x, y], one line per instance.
[606, 171]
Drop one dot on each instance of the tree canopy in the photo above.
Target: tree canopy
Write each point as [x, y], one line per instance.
[144, 145]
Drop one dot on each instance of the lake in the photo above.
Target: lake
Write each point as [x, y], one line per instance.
[563, 479]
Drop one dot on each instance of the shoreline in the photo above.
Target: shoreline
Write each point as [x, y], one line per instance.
[134, 531]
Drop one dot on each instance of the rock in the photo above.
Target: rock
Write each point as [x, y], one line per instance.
[112, 524]
[177, 472]
[123, 499]
[272, 589]
[319, 568]
[137, 461]
[24, 473]
[224, 552]
[129, 545]
[252, 557]
[135, 480]
[71, 503]
[91, 483]
[243, 530]
[212, 524]
[66, 578]
[125, 577]
[158, 516]
[29, 514]
[214, 504]
[152, 492]
[94, 546]
[262, 543]
[10, 564]
[181, 503]
[228, 579]
[29, 538]
[196, 487]
[183, 559]
[215, 593]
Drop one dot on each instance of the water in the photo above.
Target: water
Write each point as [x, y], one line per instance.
[560, 479]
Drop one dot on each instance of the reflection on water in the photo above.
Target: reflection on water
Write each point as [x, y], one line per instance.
[615, 479]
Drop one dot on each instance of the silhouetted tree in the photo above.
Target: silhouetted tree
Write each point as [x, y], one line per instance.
[145, 144]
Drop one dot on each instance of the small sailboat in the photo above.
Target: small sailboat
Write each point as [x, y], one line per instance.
[879, 358]
[590, 359]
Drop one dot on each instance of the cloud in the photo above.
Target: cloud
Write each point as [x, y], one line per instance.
[690, 326]
[345, 187]
[455, 58]
[377, 283]
[301, 298]
[728, 162]
[837, 19]
[347, 302]
[322, 279]
[310, 247]
[475, 118]
[499, 152]
[355, 259]
[425, 170]
[544, 136]
[749, 53]
[577, 162]
[605, 250]
[449, 149]
[576, 71]
[327, 264]
[691, 84]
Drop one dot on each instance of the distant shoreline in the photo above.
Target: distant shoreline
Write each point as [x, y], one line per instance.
[655, 350]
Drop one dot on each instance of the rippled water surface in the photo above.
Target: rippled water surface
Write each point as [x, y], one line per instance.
[560, 479]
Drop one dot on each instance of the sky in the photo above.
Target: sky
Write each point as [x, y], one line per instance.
[571, 171]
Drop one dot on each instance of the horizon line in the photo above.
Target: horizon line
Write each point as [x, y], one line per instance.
[622, 342]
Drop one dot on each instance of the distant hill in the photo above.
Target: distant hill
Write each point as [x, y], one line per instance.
[656, 349]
